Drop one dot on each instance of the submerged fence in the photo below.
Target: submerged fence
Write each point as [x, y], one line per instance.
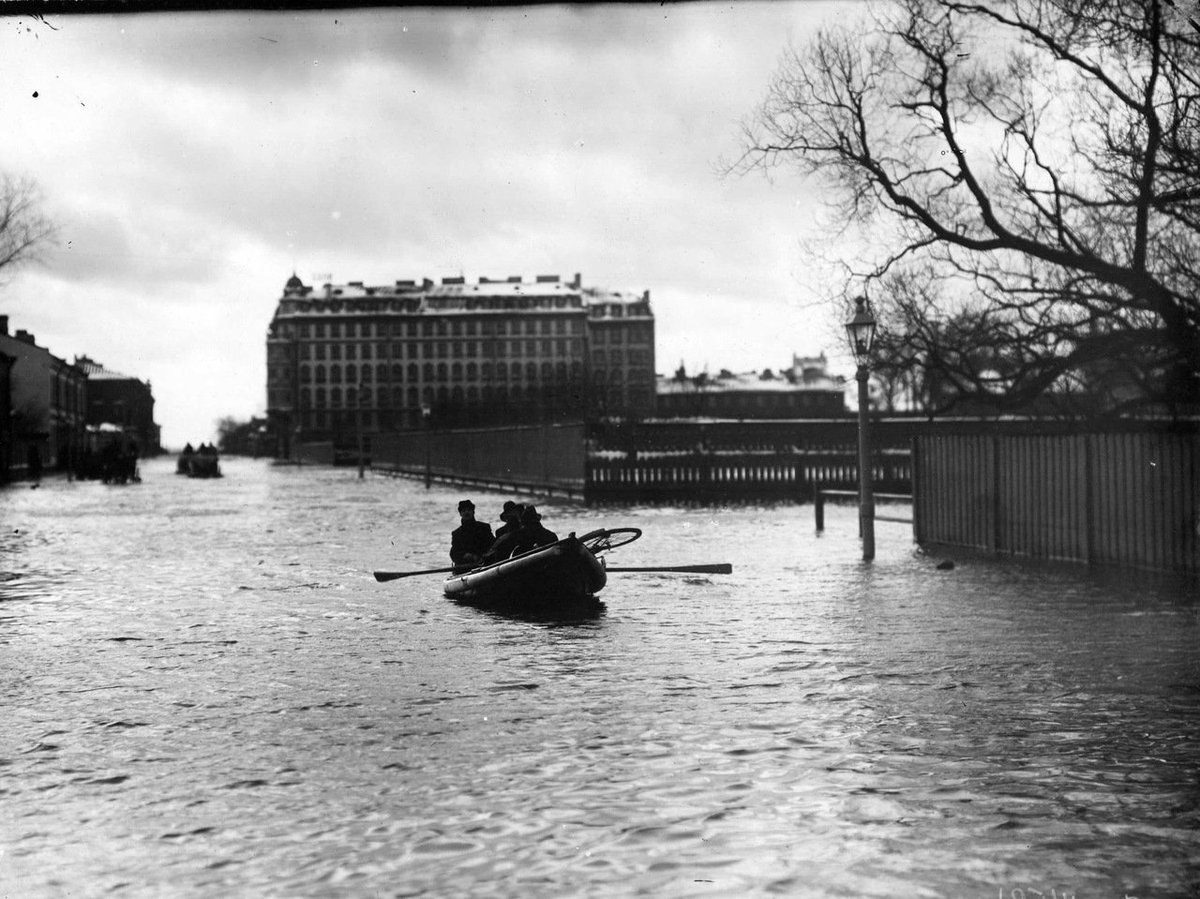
[1127, 497]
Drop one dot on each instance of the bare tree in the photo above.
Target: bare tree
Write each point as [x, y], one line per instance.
[1035, 162]
[24, 231]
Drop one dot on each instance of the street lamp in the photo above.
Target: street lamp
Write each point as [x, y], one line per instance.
[861, 331]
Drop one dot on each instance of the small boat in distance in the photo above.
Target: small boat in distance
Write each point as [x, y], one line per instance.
[204, 462]
[561, 576]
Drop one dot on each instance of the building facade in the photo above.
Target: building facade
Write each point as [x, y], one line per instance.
[114, 398]
[341, 358]
[44, 405]
[805, 390]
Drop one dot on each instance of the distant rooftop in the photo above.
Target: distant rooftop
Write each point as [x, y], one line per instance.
[97, 372]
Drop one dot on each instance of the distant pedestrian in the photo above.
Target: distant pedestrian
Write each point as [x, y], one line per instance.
[33, 457]
[471, 539]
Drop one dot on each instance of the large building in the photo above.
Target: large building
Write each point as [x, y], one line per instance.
[341, 357]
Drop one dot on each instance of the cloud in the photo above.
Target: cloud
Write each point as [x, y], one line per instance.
[193, 160]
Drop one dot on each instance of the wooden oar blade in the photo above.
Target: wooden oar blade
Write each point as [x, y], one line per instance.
[396, 575]
[714, 568]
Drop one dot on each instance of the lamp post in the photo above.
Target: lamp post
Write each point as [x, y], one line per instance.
[861, 331]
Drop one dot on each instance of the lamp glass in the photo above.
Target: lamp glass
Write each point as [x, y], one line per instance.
[861, 331]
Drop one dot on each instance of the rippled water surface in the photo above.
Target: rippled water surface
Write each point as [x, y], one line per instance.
[204, 692]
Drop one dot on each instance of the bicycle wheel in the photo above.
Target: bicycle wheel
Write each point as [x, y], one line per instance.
[602, 540]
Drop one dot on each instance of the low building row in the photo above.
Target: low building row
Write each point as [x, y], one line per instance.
[54, 412]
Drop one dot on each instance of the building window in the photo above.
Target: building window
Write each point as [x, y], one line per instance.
[414, 399]
[351, 349]
[441, 371]
[351, 373]
[320, 373]
[381, 371]
[428, 371]
[531, 371]
[335, 372]
[335, 396]
[320, 397]
[516, 371]
[472, 371]
[305, 374]
[414, 373]
[456, 371]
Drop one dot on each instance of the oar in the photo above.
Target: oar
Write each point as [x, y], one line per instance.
[396, 575]
[717, 568]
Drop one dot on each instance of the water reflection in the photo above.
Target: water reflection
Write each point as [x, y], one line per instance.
[204, 679]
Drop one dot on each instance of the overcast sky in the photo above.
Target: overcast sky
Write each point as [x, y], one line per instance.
[193, 161]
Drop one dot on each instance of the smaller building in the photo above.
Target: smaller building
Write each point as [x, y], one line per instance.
[805, 390]
[42, 398]
[123, 400]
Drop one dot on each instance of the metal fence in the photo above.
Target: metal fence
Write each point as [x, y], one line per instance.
[543, 458]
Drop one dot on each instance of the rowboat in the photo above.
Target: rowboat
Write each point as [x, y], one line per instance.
[565, 573]
[558, 580]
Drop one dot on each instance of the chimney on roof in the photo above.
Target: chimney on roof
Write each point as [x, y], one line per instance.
[356, 283]
[646, 297]
[25, 337]
[3, 325]
[578, 282]
[547, 279]
[514, 279]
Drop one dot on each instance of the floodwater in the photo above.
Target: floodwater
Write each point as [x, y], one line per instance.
[204, 692]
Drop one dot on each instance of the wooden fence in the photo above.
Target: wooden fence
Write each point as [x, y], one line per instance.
[1126, 497]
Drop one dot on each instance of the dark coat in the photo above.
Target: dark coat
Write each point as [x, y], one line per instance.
[471, 537]
[531, 536]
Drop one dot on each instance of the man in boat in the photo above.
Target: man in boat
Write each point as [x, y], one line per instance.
[506, 536]
[532, 533]
[511, 516]
[471, 539]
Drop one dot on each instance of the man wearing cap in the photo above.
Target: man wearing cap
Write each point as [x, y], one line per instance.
[471, 539]
[532, 534]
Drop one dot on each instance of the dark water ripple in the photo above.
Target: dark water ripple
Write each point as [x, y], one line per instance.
[205, 693]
